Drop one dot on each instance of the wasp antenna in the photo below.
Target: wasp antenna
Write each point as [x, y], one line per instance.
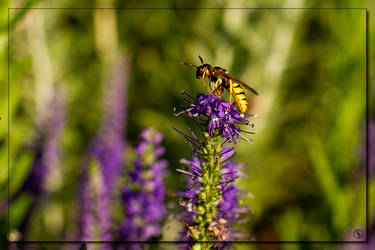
[188, 64]
[200, 58]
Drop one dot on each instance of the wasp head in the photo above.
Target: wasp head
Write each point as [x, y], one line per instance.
[202, 69]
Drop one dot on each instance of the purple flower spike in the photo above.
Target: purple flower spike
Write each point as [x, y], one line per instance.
[143, 197]
[109, 145]
[211, 198]
[46, 150]
[107, 150]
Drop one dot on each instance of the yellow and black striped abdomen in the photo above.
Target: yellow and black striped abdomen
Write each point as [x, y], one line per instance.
[239, 97]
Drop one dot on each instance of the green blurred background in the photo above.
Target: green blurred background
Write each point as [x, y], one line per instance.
[306, 166]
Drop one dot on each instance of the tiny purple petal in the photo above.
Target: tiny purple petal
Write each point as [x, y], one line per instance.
[227, 153]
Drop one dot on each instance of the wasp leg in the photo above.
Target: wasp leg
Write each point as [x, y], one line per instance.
[217, 86]
[217, 91]
[230, 95]
[204, 76]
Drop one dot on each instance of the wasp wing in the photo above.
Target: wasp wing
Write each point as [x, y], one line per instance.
[227, 75]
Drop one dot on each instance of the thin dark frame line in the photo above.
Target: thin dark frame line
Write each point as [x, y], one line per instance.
[176, 242]
[8, 224]
[367, 127]
[236, 242]
[184, 8]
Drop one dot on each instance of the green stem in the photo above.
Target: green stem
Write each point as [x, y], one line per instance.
[210, 192]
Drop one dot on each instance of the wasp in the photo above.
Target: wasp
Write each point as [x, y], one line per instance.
[223, 81]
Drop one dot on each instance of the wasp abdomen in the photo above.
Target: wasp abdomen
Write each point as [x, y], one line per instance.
[240, 97]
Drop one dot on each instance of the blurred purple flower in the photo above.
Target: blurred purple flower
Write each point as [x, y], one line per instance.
[109, 145]
[47, 148]
[108, 150]
[143, 197]
[91, 202]
[46, 159]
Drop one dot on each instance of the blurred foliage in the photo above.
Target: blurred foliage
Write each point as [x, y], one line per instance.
[306, 165]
